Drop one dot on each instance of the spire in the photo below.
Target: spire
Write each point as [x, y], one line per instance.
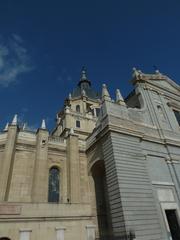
[105, 93]
[84, 82]
[14, 121]
[119, 98]
[6, 127]
[83, 74]
[43, 124]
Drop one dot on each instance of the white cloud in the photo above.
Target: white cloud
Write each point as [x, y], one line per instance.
[14, 60]
[17, 38]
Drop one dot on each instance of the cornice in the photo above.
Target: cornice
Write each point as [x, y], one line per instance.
[137, 130]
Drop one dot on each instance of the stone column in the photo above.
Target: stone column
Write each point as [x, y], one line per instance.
[73, 172]
[7, 162]
[40, 180]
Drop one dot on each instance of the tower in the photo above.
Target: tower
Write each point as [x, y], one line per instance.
[80, 111]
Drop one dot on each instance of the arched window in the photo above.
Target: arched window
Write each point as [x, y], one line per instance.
[78, 108]
[54, 180]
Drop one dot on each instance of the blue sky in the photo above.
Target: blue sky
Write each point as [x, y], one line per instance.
[44, 44]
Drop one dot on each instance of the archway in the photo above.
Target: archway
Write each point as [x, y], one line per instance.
[102, 201]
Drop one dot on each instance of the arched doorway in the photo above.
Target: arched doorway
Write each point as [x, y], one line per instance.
[102, 201]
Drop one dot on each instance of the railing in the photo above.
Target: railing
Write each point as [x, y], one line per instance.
[129, 236]
[56, 139]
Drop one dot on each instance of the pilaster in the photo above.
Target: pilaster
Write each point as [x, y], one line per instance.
[40, 180]
[7, 162]
[73, 168]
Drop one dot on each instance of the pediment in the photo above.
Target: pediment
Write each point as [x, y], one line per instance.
[166, 84]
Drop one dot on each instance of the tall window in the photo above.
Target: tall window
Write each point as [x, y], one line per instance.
[173, 223]
[78, 124]
[177, 115]
[54, 179]
[78, 108]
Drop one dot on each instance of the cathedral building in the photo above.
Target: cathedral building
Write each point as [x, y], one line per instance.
[109, 170]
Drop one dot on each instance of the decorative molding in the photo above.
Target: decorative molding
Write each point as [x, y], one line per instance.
[8, 209]
[163, 183]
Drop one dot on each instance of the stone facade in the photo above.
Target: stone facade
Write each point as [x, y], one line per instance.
[118, 164]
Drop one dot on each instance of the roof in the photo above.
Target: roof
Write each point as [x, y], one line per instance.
[84, 88]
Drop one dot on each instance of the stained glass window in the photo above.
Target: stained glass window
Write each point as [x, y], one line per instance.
[54, 179]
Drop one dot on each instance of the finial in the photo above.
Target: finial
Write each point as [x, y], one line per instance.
[6, 127]
[84, 82]
[24, 126]
[43, 124]
[70, 96]
[58, 119]
[135, 72]
[119, 98]
[105, 93]
[83, 73]
[157, 71]
[14, 121]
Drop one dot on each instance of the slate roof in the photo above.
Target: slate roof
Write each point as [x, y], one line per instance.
[85, 84]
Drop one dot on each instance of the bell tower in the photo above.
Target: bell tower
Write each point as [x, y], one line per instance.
[80, 111]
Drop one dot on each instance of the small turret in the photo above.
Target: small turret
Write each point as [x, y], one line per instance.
[119, 98]
[15, 120]
[70, 96]
[105, 93]
[6, 127]
[43, 124]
